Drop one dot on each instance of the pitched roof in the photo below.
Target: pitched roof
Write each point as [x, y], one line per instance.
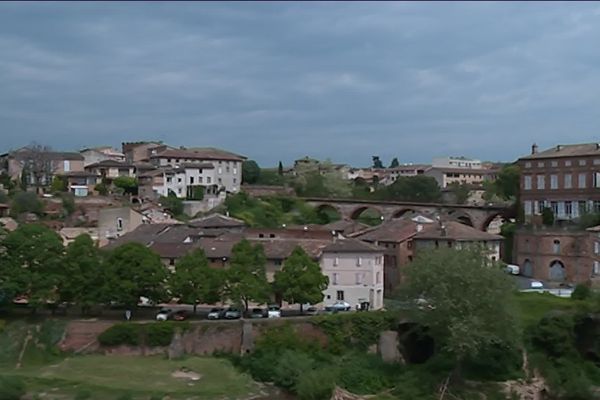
[349, 245]
[199, 154]
[453, 230]
[145, 234]
[216, 221]
[110, 163]
[566, 150]
[395, 230]
[346, 226]
[25, 153]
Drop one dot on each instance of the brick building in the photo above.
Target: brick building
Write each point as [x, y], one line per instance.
[565, 178]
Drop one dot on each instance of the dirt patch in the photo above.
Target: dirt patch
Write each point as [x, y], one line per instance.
[187, 374]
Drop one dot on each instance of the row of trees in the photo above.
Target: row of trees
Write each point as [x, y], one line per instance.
[36, 265]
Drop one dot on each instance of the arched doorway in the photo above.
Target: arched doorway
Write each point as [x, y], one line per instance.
[557, 271]
[367, 215]
[527, 269]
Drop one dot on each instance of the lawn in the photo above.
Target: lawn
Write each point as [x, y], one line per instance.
[108, 377]
[533, 306]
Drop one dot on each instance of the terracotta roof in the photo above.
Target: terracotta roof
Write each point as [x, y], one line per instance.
[566, 150]
[346, 226]
[473, 171]
[110, 163]
[199, 154]
[82, 174]
[173, 250]
[145, 234]
[216, 221]
[349, 245]
[279, 249]
[198, 165]
[454, 231]
[395, 230]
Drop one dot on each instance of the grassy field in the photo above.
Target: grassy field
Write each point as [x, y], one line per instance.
[112, 377]
[533, 306]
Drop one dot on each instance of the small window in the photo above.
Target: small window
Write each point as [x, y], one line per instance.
[596, 161]
[581, 180]
[554, 163]
[359, 261]
[340, 295]
[261, 235]
[359, 278]
[540, 164]
[582, 163]
[527, 164]
[556, 246]
[336, 261]
[119, 224]
[220, 180]
[378, 277]
[171, 261]
[568, 181]
[334, 278]
[567, 163]
[234, 180]
[271, 235]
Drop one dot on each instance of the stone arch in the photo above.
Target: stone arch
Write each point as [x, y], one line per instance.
[557, 271]
[527, 269]
[404, 212]
[490, 218]
[374, 219]
[329, 211]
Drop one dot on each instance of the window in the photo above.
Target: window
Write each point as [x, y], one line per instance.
[235, 171]
[582, 163]
[582, 207]
[541, 182]
[554, 207]
[220, 170]
[567, 163]
[179, 190]
[581, 182]
[596, 207]
[177, 161]
[340, 295]
[556, 246]
[191, 180]
[66, 165]
[568, 184]
[168, 160]
[359, 278]
[208, 179]
[596, 247]
[168, 179]
[220, 180]
[378, 260]
[378, 277]
[336, 261]
[527, 207]
[527, 182]
[528, 165]
[171, 261]
[199, 179]
[359, 261]
[553, 181]
[568, 208]
[409, 244]
[596, 161]
[227, 169]
[119, 224]
[554, 163]
[334, 278]
[540, 164]
[597, 179]
[596, 268]
[179, 180]
[234, 180]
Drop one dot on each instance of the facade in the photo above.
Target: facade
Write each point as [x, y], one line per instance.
[565, 178]
[558, 255]
[81, 183]
[116, 222]
[40, 166]
[456, 162]
[141, 151]
[111, 169]
[99, 154]
[445, 176]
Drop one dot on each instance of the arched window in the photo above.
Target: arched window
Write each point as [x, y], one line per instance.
[557, 271]
[527, 268]
[556, 246]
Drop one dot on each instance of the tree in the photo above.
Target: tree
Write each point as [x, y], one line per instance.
[250, 172]
[197, 193]
[419, 188]
[300, 280]
[547, 216]
[465, 301]
[133, 271]
[59, 184]
[195, 282]
[395, 163]
[246, 278]
[507, 182]
[377, 162]
[172, 203]
[68, 203]
[38, 166]
[128, 184]
[32, 265]
[24, 202]
[461, 192]
[101, 188]
[83, 273]
[280, 168]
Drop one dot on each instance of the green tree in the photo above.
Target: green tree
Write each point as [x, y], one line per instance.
[101, 188]
[280, 168]
[246, 278]
[83, 273]
[300, 280]
[395, 163]
[197, 193]
[128, 184]
[461, 192]
[68, 203]
[250, 172]
[195, 282]
[508, 230]
[377, 162]
[24, 202]
[32, 264]
[270, 178]
[547, 216]
[133, 271]
[59, 184]
[419, 188]
[172, 203]
[508, 181]
[465, 301]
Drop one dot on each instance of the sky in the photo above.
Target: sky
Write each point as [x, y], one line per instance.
[282, 80]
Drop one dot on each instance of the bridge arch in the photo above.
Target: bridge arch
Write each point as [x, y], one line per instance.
[328, 212]
[367, 214]
[496, 218]
[404, 212]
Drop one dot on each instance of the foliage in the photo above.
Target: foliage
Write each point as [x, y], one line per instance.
[250, 172]
[6, 181]
[172, 203]
[291, 365]
[508, 230]
[128, 184]
[246, 278]
[321, 180]
[465, 300]
[270, 177]
[508, 181]
[554, 335]
[152, 334]
[377, 162]
[159, 334]
[83, 395]
[132, 271]
[581, 292]
[587, 220]
[547, 216]
[317, 384]
[461, 192]
[68, 203]
[26, 202]
[11, 388]
[83, 273]
[122, 333]
[280, 168]
[194, 281]
[533, 307]
[101, 188]
[418, 188]
[366, 373]
[197, 193]
[32, 264]
[395, 163]
[59, 184]
[300, 280]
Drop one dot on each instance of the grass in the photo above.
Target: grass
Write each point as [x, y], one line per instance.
[107, 377]
[533, 306]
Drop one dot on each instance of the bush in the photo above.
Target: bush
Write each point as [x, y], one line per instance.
[317, 384]
[68, 203]
[2, 325]
[11, 388]
[581, 292]
[123, 333]
[366, 373]
[24, 202]
[292, 364]
[83, 395]
[159, 334]
[554, 335]
[102, 189]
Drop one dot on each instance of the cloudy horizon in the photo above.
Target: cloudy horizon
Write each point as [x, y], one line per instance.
[279, 81]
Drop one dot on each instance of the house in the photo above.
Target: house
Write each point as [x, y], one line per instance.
[558, 255]
[457, 162]
[111, 169]
[69, 234]
[81, 183]
[115, 222]
[564, 178]
[445, 176]
[141, 151]
[98, 154]
[40, 165]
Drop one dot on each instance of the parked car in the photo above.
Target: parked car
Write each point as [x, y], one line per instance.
[341, 306]
[163, 314]
[311, 311]
[274, 311]
[257, 313]
[179, 315]
[216, 313]
[233, 313]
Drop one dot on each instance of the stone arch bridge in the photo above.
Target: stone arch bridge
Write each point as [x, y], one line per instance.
[479, 217]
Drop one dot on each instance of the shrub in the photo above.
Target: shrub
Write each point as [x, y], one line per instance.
[554, 335]
[159, 334]
[24, 202]
[581, 292]
[125, 396]
[68, 203]
[317, 384]
[366, 373]
[123, 333]
[83, 395]
[102, 189]
[11, 388]
[292, 364]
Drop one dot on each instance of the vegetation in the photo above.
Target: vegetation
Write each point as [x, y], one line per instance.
[246, 279]
[127, 184]
[101, 188]
[377, 163]
[461, 192]
[197, 193]
[173, 204]
[250, 172]
[547, 216]
[59, 184]
[153, 334]
[26, 202]
[508, 230]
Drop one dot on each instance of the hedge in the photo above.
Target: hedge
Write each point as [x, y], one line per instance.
[154, 334]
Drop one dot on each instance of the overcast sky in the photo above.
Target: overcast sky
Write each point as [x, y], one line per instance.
[278, 81]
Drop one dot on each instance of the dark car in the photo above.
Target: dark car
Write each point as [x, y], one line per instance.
[180, 315]
[257, 313]
[216, 313]
[233, 313]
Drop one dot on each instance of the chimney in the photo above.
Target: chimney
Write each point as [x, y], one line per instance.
[444, 232]
[559, 147]
[419, 227]
[534, 148]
